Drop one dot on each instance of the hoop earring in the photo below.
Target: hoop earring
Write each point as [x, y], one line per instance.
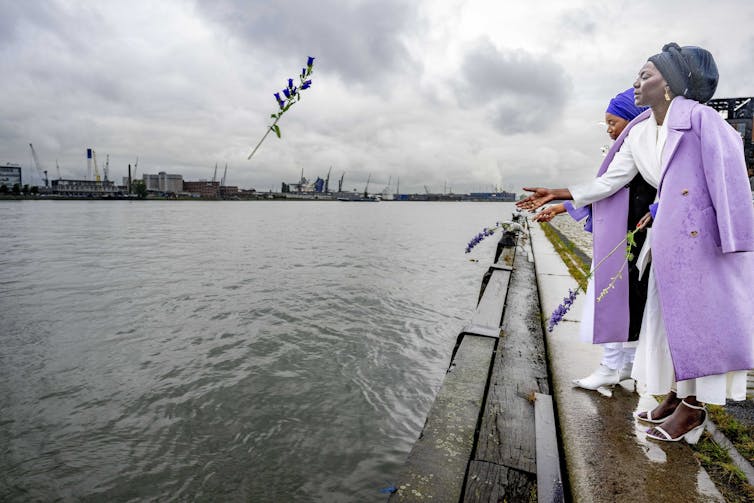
[667, 96]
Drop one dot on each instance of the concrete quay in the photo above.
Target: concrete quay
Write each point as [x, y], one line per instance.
[509, 425]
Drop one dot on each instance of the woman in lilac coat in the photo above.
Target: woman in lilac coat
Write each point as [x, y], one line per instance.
[697, 334]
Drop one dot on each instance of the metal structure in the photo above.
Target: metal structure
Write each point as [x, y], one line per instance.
[42, 173]
[96, 169]
[739, 113]
[106, 169]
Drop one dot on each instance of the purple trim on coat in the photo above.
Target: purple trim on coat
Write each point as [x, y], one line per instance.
[579, 213]
[653, 210]
[609, 217]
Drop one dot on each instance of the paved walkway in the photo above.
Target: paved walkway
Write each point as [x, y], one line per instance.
[607, 455]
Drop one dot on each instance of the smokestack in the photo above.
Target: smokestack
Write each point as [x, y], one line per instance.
[88, 163]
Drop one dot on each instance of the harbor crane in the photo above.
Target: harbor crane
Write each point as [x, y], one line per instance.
[96, 170]
[366, 188]
[327, 181]
[386, 190]
[340, 183]
[225, 172]
[42, 173]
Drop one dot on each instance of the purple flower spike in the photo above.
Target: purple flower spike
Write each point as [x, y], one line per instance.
[306, 84]
[479, 237]
[310, 61]
[290, 83]
[287, 93]
[557, 315]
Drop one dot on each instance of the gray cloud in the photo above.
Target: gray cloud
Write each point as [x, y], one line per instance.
[398, 91]
[520, 91]
[361, 41]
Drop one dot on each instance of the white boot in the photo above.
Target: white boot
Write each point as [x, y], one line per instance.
[603, 376]
[625, 371]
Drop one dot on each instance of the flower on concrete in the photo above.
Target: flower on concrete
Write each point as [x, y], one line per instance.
[557, 315]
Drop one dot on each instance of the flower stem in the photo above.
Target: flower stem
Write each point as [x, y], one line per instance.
[263, 137]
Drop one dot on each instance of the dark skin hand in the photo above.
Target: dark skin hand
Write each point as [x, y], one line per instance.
[549, 213]
[541, 196]
[644, 221]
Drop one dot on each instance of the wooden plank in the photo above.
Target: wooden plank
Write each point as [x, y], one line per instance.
[489, 311]
[549, 481]
[507, 435]
[506, 256]
[437, 463]
[493, 483]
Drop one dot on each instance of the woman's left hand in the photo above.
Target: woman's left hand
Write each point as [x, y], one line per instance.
[645, 221]
[549, 213]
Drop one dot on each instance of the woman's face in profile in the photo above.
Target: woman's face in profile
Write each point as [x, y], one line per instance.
[615, 125]
[649, 87]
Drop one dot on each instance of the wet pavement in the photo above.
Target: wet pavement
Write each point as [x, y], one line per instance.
[607, 454]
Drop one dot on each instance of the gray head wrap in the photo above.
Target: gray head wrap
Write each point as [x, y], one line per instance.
[689, 71]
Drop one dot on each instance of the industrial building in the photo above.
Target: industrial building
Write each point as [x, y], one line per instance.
[85, 188]
[163, 182]
[202, 188]
[10, 175]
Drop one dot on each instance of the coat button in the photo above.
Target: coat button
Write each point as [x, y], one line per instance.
[694, 234]
[685, 192]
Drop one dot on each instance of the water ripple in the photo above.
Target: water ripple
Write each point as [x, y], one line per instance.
[189, 350]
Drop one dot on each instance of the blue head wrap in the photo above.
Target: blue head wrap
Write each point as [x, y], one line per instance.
[623, 105]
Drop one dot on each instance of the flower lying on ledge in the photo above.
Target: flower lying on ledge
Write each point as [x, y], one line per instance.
[489, 231]
[292, 94]
[557, 315]
[480, 237]
[563, 308]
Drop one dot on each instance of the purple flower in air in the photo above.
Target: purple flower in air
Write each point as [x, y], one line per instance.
[292, 95]
[557, 315]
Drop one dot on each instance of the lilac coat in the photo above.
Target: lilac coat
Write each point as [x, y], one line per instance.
[703, 244]
[609, 216]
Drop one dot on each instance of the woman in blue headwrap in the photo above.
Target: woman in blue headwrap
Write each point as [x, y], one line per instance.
[618, 357]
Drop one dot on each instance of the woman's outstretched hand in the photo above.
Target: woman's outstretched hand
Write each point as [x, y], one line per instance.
[549, 213]
[539, 197]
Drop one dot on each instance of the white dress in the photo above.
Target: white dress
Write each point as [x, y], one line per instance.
[641, 152]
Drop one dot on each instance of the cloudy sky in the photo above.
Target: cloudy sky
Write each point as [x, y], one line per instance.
[448, 94]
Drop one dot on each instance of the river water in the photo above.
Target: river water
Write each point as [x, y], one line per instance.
[225, 351]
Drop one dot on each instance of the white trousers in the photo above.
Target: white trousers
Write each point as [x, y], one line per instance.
[616, 354]
[653, 368]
